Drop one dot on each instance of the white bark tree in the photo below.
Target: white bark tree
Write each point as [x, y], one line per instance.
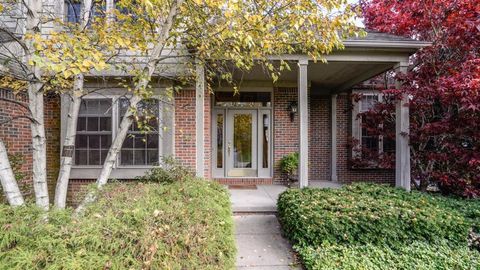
[8, 181]
[75, 96]
[35, 101]
[144, 79]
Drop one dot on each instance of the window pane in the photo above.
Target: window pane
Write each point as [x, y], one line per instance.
[126, 157]
[92, 124]
[152, 141]
[104, 154]
[128, 142]
[92, 106]
[81, 157]
[105, 141]
[220, 141]
[73, 11]
[104, 107]
[368, 101]
[83, 107]
[388, 145]
[266, 137]
[242, 140]
[94, 141]
[243, 99]
[139, 157]
[81, 141]
[105, 123]
[94, 157]
[152, 157]
[139, 142]
[82, 124]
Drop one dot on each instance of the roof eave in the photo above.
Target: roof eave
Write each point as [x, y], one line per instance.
[411, 46]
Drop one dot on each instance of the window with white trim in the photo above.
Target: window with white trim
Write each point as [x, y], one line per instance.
[368, 140]
[73, 10]
[141, 146]
[149, 138]
[94, 131]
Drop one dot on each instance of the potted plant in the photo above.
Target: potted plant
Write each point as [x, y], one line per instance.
[289, 166]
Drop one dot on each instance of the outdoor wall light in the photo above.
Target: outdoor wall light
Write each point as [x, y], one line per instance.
[293, 109]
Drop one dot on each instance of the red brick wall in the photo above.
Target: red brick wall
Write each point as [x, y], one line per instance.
[52, 133]
[15, 133]
[17, 138]
[208, 134]
[320, 139]
[77, 190]
[285, 132]
[185, 128]
[344, 127]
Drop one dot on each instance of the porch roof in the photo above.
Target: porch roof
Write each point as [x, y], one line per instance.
[362, 58]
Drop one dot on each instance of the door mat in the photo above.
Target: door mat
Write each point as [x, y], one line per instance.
[242, 186]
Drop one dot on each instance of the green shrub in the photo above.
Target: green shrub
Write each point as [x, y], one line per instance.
[183, 225]
[364, 226]
[170, 171]
[361, 214]
[418, 255]
[289, 164]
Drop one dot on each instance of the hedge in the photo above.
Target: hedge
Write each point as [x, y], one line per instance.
[182, 225]
[418, 255]
[328, 226]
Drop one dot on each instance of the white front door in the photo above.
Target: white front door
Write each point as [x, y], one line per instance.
[241, 143]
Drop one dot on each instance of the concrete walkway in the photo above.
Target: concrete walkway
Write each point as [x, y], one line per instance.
[263, 198]
[260, 244]
[258, 234]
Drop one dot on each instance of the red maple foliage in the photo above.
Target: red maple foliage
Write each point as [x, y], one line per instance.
[444, 85]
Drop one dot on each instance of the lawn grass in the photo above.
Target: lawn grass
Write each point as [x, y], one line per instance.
[180, 225]
[367, 226]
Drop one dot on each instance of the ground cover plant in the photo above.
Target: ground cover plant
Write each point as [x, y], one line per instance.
[181, 225]
[368, 226]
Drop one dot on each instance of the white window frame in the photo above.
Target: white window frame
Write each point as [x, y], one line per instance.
[357, 122]
[160, 135]
[123, 171]
[97, 133]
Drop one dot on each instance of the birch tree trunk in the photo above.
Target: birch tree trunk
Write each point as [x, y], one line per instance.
[127, 120]
[66, 160]
[68, 150]
[35, 101]
[7, 178]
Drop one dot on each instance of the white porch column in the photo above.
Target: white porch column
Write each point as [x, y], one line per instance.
[402, 147]
[333, 160]
[303, 115]
[199, 120]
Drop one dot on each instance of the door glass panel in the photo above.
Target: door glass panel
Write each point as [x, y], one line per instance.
[220, 141]
[242, 141]
[265, 140]
[243, 99]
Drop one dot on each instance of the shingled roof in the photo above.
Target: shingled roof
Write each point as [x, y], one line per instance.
[383, 40]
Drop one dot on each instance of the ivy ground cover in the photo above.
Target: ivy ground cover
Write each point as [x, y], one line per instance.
[367, 226]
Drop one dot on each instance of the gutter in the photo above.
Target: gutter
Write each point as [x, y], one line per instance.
[414, 45]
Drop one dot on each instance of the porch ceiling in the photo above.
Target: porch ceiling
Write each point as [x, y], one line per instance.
[324, 78]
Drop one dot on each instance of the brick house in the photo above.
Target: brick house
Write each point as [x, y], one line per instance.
[233, 139]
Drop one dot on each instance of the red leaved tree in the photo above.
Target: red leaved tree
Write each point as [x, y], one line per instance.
[444, 85]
